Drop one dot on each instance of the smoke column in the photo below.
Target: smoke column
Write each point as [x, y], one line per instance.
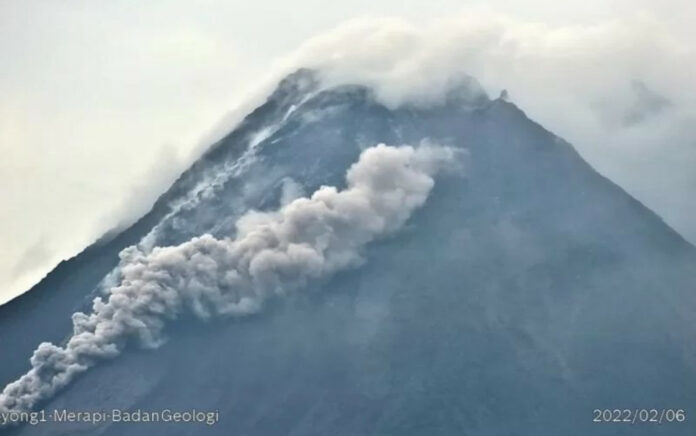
[273, 253]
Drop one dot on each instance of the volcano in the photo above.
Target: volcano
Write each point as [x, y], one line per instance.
[526, 292]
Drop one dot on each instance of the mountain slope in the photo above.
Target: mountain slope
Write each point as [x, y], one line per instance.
[516, 301]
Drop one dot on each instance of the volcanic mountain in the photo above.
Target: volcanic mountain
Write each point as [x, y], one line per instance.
[522, 293]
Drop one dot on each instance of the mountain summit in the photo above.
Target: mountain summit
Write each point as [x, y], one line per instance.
[512, 295]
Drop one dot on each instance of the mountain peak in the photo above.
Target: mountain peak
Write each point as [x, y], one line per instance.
[301, 81]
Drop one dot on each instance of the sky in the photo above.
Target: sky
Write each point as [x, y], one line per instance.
[104, 103]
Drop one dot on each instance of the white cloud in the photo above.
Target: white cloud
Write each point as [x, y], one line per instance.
[621, 91]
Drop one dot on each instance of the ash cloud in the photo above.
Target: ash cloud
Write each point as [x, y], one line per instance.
[273, 253]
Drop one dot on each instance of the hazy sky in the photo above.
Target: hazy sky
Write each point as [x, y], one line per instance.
[102, 103]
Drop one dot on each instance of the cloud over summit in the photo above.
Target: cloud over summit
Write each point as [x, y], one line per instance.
[621, 90]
